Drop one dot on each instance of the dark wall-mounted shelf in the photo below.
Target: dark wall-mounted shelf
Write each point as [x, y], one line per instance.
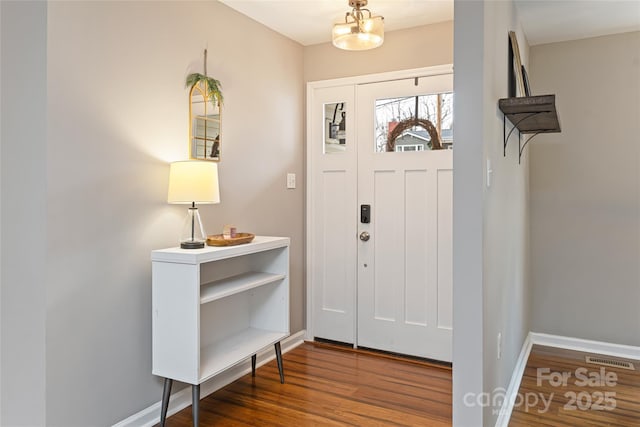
[530, 115]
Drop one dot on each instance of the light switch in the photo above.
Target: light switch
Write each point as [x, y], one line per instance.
[489, 173]
[291, 180]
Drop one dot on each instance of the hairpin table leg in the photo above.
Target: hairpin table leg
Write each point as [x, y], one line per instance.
[253, 365]
[195, 404]
[279, 360]
[166, 393]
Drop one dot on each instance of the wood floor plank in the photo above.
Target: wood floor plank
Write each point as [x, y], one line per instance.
[326, 386]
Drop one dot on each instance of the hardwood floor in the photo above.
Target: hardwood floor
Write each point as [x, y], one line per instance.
[587, 395]
[330, 386]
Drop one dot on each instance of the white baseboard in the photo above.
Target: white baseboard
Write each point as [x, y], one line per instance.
[514, 384]
[180, 400]
[588, 346]
[568, 343]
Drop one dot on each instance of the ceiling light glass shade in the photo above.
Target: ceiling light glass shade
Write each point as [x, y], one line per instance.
[360, 29]
[365, 34]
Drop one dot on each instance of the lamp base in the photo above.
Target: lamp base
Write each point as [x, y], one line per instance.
[192, 235]
[192, 245]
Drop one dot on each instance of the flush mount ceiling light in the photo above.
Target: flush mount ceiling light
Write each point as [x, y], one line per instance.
[359, 31]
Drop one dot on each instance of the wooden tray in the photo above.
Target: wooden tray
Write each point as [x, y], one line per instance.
[218, 240]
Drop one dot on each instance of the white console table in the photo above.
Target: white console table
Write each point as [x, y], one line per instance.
[215, 307]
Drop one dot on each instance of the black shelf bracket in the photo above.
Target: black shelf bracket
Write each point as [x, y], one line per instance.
[521, 145]
[515, 126]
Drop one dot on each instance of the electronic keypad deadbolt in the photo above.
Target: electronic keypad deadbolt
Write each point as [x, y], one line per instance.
[365, 214]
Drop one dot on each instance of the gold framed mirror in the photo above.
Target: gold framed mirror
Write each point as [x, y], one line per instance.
[205, 119]
[205, 125]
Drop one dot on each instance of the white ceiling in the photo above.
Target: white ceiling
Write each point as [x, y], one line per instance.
[544, 21]
[548, 21]
[310, 21]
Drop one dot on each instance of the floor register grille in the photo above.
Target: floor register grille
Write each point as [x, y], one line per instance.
[614, 363]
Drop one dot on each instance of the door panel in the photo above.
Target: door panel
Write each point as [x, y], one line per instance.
[416, 211]
[385, 228]
[335, 207]
[404, 270]
[445, 249]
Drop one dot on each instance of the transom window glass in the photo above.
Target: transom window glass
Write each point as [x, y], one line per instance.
[400, 129]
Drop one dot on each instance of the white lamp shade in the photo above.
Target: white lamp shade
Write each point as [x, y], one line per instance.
[193, 181]
[370, 35]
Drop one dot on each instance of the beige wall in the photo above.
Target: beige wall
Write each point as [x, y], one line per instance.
[102, 112]
[23, 193]
[490, 224]
[506, 213]
[402, 50]
[585, 191]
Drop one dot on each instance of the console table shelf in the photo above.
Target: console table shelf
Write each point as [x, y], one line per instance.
[215, 307]
[227, 352]
[242, 282]
[529, 115]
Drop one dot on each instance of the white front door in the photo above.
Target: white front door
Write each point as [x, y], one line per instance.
[404, 291]
[392, 292]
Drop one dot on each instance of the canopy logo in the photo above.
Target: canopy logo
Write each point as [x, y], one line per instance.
[598, 397]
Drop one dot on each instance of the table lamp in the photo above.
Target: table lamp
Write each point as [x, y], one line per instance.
[191, 182]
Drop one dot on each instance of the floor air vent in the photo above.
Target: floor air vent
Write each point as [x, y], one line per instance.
[610, 362]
